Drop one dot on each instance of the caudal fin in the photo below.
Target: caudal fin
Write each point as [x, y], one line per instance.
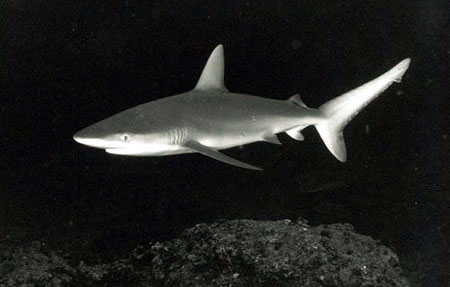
[342, 109]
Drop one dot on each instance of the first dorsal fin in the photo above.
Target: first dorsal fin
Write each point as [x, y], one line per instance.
[213, 73]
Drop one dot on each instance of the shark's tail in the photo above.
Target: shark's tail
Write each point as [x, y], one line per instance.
[341, 110]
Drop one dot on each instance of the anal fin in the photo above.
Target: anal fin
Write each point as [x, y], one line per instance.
[198, 147]
[295, 133]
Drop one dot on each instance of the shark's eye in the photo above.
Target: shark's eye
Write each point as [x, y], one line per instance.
[125, 138]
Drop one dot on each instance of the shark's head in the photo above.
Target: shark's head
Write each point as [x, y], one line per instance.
[99, 136]
[126, 133]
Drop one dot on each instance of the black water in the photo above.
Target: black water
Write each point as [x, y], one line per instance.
[66, 65]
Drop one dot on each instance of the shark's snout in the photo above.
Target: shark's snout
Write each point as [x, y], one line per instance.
[80, 138]
[94, 137]
[88, 139]
[77, 138]
[94, 142]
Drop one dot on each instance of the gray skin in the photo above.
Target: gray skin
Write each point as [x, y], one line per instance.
[210, 118]
[215, 118]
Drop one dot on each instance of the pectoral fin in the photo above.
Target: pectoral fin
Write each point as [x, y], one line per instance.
[198, 147]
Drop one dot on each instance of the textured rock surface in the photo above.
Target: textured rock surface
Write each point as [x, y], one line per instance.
[33, 265]
[281, 253]
[227, 253]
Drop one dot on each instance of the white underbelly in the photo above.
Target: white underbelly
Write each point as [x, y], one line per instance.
[225, 142]
[149, 150]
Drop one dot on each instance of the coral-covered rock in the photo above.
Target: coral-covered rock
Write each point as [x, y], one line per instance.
[226, 253]
[33, 264]
[278, 253]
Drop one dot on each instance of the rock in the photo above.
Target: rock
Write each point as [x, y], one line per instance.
[226, 253]
[272, 253]
[33, 264]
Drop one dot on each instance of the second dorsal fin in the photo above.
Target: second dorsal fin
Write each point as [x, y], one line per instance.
[213, 73]
[297, 100]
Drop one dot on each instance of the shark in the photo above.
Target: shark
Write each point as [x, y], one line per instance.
[210, 118]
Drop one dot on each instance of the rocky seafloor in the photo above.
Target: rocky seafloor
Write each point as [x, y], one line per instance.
[224, 253]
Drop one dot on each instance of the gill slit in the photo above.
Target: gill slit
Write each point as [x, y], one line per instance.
[177, 136]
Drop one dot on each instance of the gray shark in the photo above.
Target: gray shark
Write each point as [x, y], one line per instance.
[210, 118]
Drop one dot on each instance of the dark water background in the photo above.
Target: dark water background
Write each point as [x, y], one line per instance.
[67, 64]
